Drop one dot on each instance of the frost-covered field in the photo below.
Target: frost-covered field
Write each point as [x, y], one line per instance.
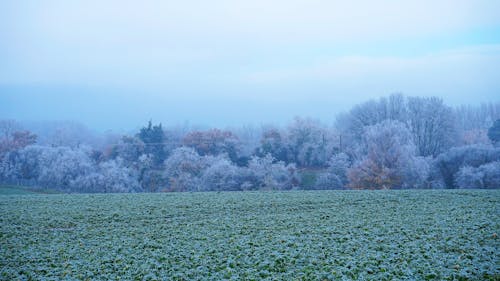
[319, 235]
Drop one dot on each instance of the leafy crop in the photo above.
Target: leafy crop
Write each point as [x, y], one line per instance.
[318, 235]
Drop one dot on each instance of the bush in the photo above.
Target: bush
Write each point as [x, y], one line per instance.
[448, 164]
[484, 176]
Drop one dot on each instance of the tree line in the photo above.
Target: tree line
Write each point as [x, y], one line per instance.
[390, 143]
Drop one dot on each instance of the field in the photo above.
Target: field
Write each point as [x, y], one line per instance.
[19, 190]
[316, 235]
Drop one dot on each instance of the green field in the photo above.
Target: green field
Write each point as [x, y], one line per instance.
[20, 190]
[317, 235]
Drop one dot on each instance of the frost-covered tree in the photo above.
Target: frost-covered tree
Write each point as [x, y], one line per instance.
[22, 139]
[8, 127]
[220, 175]
[50, 167]
[491, 172]
[266, 173]
[150, 178]
[309, 144]
[60, 165]
[273, 143]
[494, 132]
[352, 125]
[133, 153]
[431, 124]
[474, 136]
[447, 164]
[249, 138]
[474, 117]
[110, 176]
[390, 159]
[469, 177]
[183, 169]
[214, 142]
[129, 149]
[13, 137]
[484, 176]
[335, 176]
[184, 160]
[473, 122]
[21, 166]
[15, 141]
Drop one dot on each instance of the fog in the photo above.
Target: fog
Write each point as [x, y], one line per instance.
[117, 64]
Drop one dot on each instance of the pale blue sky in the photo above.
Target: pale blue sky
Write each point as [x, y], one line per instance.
[116, 64]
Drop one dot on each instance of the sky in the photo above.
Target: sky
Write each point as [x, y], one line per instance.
[117, 64]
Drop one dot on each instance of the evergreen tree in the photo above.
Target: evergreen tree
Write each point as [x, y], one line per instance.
[154, 140]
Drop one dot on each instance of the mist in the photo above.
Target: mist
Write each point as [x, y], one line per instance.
[117, 64]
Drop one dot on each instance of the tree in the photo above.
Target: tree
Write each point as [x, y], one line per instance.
[13, 137]
[129, 149]
[309, 144]
[475, 136]
[22, 166]
[7, 128]
[491, 173]
[481, 117]
[110, 176]
[183, 169]
[389, 161]
[150, 178]
[220, 175]
[60, 165]
[214, 142]
[431, 124]
[469, 177]
[16, 140]
[50, 167]
[494, 132]
[448, 164]
[249, 142]
[352, 124]
[335, 176]
[266, 173]
[133, 153]
[484, 176]
[473, 122]
[273, 142]
[154, 139]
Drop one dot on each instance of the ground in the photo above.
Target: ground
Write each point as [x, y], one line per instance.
[18, 190]
[313, 235]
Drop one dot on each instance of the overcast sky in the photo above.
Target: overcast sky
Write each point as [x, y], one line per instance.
[117, 64]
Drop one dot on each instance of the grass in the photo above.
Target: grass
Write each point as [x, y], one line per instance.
[21, 190]
[13, 190]
[306, 235]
